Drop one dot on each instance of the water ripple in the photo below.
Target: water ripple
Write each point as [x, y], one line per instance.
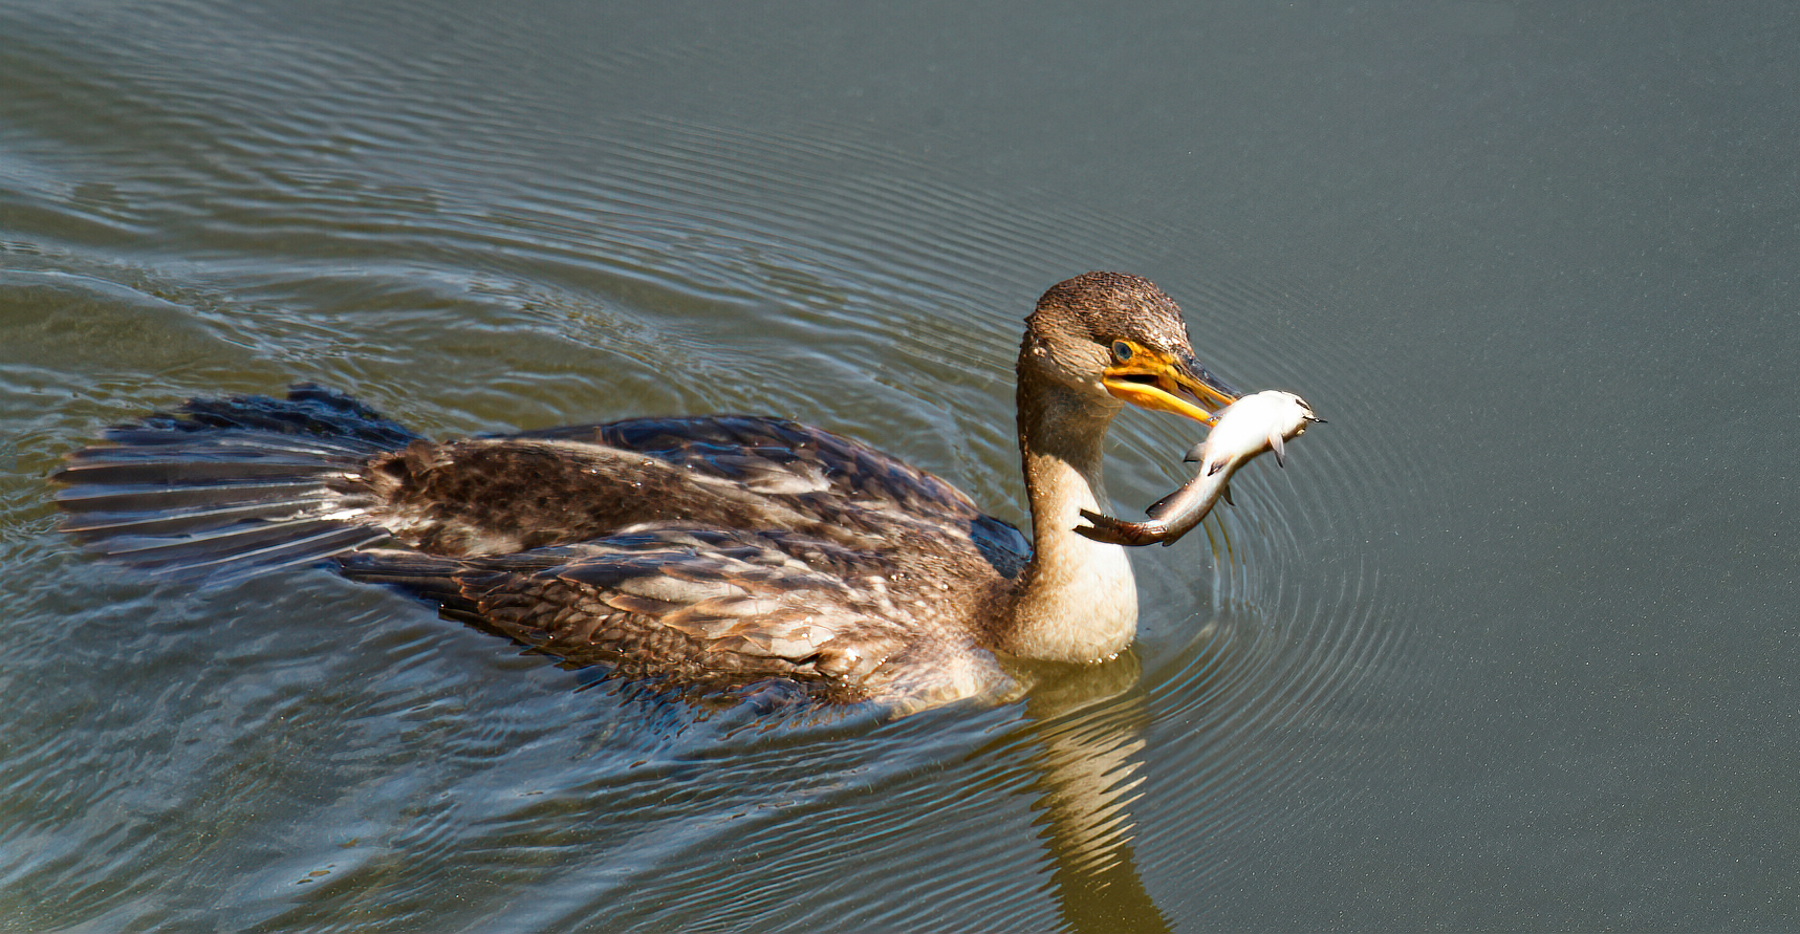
[318, 755]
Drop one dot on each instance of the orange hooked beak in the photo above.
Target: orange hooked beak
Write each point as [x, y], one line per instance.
[1152, 379]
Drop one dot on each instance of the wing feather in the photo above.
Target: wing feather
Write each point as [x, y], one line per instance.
[783, 460]
[728, 615]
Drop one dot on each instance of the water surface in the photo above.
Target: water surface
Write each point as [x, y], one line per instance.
[1507, 645]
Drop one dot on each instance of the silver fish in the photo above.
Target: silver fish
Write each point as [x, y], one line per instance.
[1248, 427]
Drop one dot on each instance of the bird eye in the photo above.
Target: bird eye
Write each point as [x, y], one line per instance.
[1121, 351]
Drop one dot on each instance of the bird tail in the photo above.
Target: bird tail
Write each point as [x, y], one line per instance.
[233, 486]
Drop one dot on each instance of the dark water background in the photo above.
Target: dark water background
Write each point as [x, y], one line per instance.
[1509, 645]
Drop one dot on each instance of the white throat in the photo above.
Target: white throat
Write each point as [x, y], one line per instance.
[1079, 600]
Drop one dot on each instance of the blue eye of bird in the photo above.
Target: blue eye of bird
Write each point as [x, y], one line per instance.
[1121, 351]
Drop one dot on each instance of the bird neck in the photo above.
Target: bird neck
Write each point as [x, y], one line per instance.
[1078, 601]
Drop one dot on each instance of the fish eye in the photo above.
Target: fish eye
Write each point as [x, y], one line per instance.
[1121, 351]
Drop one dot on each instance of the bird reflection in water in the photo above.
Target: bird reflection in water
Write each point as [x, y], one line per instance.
[1088, 732]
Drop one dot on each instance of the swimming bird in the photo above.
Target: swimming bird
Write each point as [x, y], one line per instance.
[1254, 424]
[705, 554]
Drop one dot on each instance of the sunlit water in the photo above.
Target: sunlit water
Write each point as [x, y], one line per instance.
[207, 199]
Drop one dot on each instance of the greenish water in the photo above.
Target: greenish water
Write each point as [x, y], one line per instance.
[1509, 644]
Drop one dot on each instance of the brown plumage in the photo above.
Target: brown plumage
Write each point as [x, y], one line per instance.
[702, 553]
